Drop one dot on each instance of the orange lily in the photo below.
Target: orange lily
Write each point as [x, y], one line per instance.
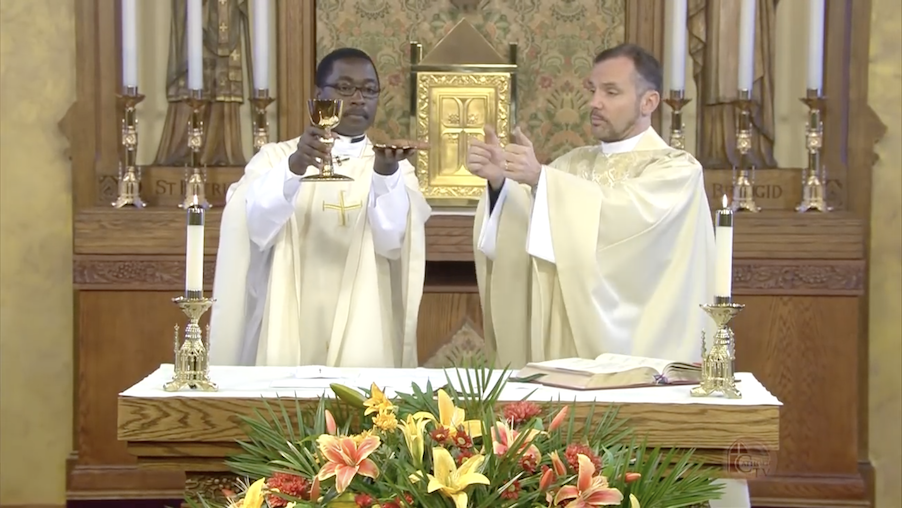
[346, 459]
[590, 490]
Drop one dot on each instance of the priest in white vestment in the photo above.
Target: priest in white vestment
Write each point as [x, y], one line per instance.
[608, 249]
[323, 273]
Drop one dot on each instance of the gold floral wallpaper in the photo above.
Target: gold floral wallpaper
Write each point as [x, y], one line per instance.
[557, 40]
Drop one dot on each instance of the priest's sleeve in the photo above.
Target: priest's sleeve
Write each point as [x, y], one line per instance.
[633, 254]
[502, 271]
[388, 209]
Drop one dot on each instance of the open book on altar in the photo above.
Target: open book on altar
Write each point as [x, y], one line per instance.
[609, 371]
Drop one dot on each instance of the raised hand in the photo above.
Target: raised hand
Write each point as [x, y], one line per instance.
[485, 159]
[311, 151]
[520, 162]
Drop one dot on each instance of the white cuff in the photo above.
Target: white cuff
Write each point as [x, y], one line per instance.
[383, 184]
[490, 220]
[538, 241]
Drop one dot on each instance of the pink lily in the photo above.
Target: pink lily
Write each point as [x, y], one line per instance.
[345, 459]
[504, 437]
[590, 490]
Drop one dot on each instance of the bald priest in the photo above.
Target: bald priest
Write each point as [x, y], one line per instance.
[323, 273]
[608, 249]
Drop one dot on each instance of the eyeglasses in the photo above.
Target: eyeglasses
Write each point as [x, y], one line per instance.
[346, 90]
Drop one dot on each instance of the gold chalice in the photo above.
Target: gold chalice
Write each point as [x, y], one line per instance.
[326, 114]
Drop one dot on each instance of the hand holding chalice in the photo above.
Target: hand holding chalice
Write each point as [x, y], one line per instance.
[326, 115]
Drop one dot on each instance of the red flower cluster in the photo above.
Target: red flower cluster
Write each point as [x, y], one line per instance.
[521, 412]
[512, 491]
[364, 500]
[574, 450]
[399, 503]
[288, 484]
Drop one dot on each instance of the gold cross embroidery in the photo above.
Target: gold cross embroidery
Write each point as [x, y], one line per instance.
[341, 208]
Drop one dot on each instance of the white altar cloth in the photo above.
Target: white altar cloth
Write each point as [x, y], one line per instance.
[313, 382]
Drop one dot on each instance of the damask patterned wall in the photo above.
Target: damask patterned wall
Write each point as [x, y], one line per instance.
[557, 42]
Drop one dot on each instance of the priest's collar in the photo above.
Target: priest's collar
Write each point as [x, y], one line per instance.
[622, 146]
[352, 140]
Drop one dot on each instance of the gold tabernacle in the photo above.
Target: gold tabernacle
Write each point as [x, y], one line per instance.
[326, 114]
[460, 86]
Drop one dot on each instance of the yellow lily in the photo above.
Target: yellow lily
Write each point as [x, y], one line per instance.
[254, 496]
[413, 429]
[452, 418]
[451, 480]
[378, 402]
[634, 501]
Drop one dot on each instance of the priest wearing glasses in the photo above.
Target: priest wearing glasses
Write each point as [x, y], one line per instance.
[323, 273]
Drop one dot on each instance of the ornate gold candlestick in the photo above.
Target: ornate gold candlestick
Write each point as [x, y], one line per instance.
[814, 196]
[744, 181]
[260, 100]
[192, 357]
[196, 175]
[718, 364]
[129, 173]
[677, 101]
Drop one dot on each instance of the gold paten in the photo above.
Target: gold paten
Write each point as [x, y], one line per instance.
[461, 86]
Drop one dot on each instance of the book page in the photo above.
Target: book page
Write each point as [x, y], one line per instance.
[608, 363]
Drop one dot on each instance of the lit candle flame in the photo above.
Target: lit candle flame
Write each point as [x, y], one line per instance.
[725, 201]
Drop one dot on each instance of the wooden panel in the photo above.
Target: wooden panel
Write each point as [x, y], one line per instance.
[773, 235]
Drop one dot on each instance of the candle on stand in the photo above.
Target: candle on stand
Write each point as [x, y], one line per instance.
[678, 45]
[261, 44]
[723, 268]
[194, 253]
[815, 44]
[747, 45]
[129, 44]
[195, 31]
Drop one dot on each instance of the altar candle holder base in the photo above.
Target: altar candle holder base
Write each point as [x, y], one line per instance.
[192, 357]
[677, 101]
[195, 176]
[743, 182]
[814, 196]
[717, 373]
[129, 186]
[260, 100]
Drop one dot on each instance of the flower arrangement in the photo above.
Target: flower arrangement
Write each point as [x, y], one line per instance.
[455, 447]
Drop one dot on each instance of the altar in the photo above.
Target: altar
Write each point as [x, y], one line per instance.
[194, 432]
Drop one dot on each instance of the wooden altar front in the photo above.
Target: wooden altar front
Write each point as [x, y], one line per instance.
[802, 278]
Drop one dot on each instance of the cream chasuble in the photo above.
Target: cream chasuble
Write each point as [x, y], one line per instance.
[613, 253]
[314, 273]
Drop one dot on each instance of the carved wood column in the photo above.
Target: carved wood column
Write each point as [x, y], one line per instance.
[296, 64]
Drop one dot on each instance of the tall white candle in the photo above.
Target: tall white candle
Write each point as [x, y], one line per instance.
[194, 250]
[678, 45]
[261, 44]
[723, 239]
[747, 45]
[195, 45]
[815, 44]
[129, 44]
